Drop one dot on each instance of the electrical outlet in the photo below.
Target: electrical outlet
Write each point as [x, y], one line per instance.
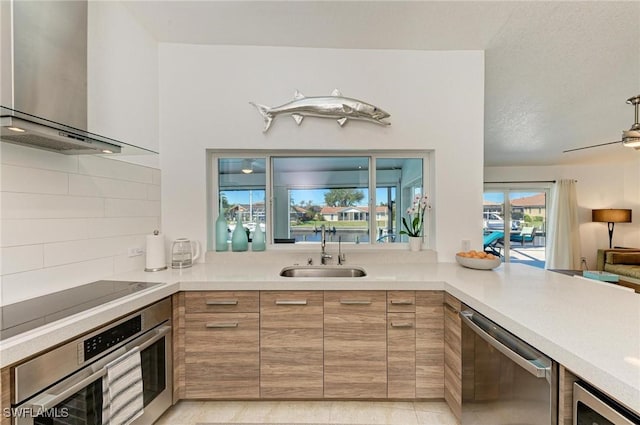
[466, 245]
[135, 251]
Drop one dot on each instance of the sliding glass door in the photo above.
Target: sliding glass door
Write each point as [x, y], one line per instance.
[515, 223]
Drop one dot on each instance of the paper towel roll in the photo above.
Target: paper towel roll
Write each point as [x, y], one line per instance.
[156, 260]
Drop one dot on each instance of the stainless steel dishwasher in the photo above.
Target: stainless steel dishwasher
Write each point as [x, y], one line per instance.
[505, 381]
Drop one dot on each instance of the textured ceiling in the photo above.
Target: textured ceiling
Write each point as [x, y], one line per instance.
[557, 73]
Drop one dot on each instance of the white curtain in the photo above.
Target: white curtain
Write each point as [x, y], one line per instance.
[563, 236]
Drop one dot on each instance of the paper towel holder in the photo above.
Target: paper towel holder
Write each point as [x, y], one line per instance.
[156, 260]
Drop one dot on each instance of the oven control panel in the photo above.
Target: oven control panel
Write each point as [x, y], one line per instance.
[113, 336]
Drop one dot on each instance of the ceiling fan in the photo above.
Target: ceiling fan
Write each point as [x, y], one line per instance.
[630, 138]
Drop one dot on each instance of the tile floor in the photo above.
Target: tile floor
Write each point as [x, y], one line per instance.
[309, 412]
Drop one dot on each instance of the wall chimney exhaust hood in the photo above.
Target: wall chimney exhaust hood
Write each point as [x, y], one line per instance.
[44, 79]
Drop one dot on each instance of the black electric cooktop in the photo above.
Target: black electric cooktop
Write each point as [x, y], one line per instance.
[30, 314]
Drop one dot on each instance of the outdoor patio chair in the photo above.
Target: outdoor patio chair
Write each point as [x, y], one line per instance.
[493, 243]
[525, 235]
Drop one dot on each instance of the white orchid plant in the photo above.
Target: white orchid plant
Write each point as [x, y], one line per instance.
[416, 214]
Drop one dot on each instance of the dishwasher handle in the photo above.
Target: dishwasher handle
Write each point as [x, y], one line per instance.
[501, 340]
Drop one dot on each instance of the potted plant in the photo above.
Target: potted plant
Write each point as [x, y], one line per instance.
[413, 227]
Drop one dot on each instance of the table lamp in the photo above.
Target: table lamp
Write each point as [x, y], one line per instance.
[611, 216]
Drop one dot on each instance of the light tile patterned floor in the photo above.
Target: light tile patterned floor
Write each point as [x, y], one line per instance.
[308, 412]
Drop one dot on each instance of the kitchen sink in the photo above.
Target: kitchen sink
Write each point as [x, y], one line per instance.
[322, 271]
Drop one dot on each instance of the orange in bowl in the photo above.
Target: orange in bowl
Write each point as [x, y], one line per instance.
[479, 260]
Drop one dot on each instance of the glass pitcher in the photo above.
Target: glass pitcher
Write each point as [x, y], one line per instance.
[184, 253]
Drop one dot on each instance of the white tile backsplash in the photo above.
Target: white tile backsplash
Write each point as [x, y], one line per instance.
[111, 168]
[131, 208]
[69, 220]
[124, 263]
[20, 258]
[59, 253]
[83, 185]
[36, 158]
[21, 286]
[156, 176]
[32, 180]
[37, 231]
[153, 192]
[122, 226]
[30, 205]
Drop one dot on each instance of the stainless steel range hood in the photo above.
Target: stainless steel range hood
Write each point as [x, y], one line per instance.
[44, 79]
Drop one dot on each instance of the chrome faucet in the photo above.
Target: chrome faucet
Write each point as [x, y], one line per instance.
[323, 242]
[341, 257]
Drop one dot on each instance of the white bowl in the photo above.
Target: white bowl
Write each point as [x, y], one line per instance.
[478, 263]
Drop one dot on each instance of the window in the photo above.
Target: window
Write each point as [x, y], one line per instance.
[359, 198]
[241, 192]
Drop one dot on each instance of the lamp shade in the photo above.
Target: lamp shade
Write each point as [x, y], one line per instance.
[611, 215]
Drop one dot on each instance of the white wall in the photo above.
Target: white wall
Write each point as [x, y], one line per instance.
[436, 101]
[69, 220]
[598, 186]
[122, 81]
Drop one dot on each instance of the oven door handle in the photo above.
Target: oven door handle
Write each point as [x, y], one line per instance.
[501, 341]
[46, 400]
[157, 334]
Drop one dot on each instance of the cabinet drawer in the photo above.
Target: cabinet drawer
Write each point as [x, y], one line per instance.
[291, 309]
[356, 302]
[401, 301]
[222, 302]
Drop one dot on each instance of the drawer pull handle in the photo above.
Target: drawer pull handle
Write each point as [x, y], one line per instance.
[402, 302]
[355, 302]
[291, 302]
[222, 302]
[401, 325]
[221, 325]
[450, 308]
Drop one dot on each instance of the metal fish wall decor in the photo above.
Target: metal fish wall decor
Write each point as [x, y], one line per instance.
[334, 106]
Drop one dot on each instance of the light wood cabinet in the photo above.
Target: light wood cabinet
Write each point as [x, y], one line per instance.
[429, 344]
[401, 301]
[401, 355]
[355, 344]
[453, 355]
[315, 344]
[5, 395]
[177, 318]
[222, 302]
[221, 351]
[291, 344]
[401, 344]
[565, 396]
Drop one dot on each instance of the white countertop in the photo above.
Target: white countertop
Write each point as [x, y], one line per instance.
[591, 328]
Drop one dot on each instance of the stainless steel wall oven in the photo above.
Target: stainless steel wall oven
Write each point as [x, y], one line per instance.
[65, 385]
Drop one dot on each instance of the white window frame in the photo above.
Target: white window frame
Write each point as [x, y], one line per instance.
[213, 194]
[506, 189]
